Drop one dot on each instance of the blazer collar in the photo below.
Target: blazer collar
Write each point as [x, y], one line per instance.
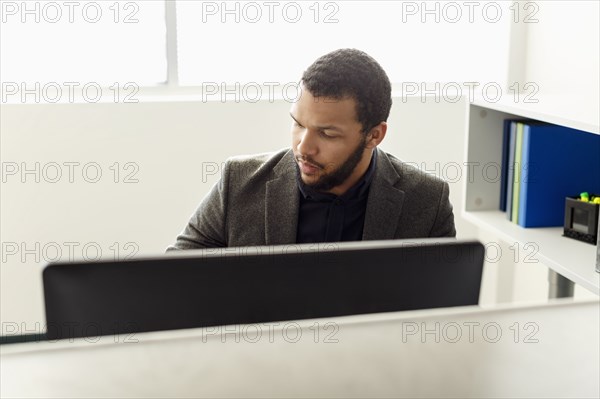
[281, 203]
[384, 204]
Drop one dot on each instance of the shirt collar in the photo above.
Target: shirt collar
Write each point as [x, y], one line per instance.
[358, 190]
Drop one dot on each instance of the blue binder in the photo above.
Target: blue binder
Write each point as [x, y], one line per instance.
[556, 162]
[504, 166]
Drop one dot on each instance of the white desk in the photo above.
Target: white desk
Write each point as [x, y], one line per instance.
[375, 355]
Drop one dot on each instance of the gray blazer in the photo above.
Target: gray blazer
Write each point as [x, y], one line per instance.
[256, 203]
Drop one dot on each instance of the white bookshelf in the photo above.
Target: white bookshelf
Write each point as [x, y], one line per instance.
[570, 258]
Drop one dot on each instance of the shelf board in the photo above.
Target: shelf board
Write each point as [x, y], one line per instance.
[575, 112]
[570, 258]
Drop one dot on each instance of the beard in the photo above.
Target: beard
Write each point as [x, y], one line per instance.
[327, 181]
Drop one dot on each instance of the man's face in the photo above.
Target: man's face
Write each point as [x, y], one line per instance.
[326, 140]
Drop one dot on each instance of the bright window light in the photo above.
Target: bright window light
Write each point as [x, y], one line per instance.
[83, 41]
[441, 41]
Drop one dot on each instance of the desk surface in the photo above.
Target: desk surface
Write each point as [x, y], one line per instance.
[549, 350]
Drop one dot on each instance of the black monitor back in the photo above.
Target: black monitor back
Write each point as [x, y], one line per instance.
[202, 288]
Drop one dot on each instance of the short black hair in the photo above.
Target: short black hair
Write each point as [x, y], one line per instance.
[352, 73]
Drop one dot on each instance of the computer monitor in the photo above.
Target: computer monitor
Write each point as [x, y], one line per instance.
[245, 285]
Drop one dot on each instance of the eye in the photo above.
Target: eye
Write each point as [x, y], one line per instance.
[297, 124]
[324, 134]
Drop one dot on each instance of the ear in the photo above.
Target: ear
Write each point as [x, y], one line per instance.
[376, 135]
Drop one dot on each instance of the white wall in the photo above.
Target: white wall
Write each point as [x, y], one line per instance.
[563, 48]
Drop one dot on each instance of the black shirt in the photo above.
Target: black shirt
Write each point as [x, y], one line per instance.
[326, 217]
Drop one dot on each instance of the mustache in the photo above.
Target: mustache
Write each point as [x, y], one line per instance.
[309, 161]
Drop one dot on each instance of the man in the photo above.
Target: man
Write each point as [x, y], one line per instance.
[334, 184]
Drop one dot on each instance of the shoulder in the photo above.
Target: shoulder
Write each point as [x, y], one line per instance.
[257, 166]
[257, 160]
[409, 175]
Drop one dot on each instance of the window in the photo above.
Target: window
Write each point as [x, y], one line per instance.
[246, 41]
[250, 41]
[83, 41]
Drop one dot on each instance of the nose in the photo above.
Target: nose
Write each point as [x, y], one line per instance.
[307, 144]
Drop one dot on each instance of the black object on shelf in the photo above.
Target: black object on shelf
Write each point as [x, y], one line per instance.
[581, 220]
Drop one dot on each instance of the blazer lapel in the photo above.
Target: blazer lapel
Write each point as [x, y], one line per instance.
[281, 203]
[384, 204]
